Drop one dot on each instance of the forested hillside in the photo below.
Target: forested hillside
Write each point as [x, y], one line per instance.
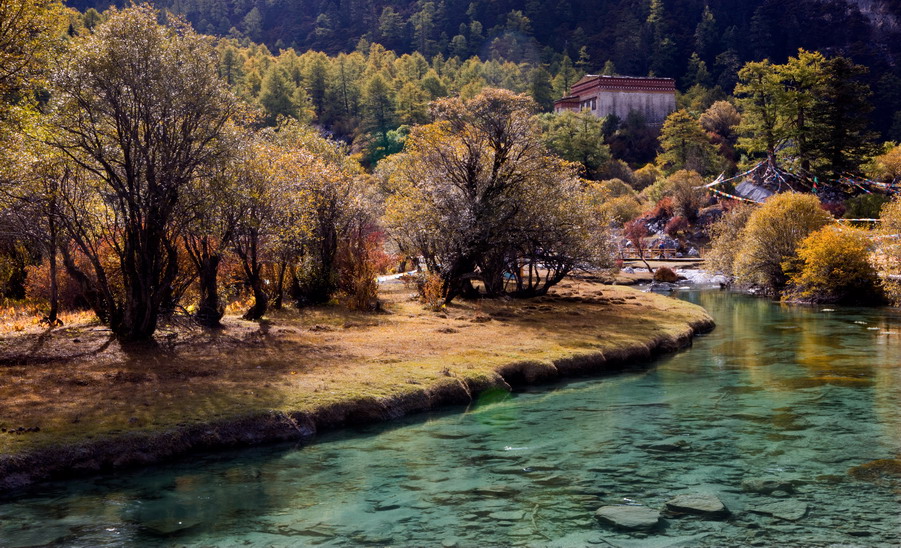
[704, 41]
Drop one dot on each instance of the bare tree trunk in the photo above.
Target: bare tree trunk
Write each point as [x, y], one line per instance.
[641, 256]
[280, 285]
[139, 320]
[53, 315]
[247, 251]
[260, 301]
[209, 310]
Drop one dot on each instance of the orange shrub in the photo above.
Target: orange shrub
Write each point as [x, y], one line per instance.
[834, 266]
[37, 286]
[676, 226]
[431, 291]
[664, 208]
[664, 274]
[361, 258]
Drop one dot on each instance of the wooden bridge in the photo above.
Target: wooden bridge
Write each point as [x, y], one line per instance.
[655, 253]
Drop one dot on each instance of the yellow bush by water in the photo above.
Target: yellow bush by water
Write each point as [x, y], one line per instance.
[834, 265]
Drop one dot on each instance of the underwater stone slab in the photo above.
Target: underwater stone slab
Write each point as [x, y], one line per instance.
[513, 515]
[682, 541]
[628, 517]
[701, 504]
[789, 510]
[766, 485]
[669, 445]
[167, 527]
[39, 536]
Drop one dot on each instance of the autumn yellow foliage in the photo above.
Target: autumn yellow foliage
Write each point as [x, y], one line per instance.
[888, 248]
[834, 265]
[886, 167]
[772, 234]
[724, 237]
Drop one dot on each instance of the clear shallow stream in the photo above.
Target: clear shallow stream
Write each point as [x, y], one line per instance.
[795, 393]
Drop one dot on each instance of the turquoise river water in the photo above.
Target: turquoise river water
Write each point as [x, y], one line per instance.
[802, 395]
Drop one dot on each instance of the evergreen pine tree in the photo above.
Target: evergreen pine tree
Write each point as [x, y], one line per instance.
[541, 89]
[845, 141]
[276, 95]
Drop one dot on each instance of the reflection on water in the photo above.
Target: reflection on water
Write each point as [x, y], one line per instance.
[797, 394]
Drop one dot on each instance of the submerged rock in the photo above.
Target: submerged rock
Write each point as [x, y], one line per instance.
[512, 515]
[662, 287]
[701, 504]
[789, 510]
[668, 445]
[682, 541]
[39, 536]
[877, 470]
[167, 527]
[766, 485]
[629, 517]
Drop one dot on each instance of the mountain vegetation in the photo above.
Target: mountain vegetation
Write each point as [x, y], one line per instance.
[703, 42]
[149, 170]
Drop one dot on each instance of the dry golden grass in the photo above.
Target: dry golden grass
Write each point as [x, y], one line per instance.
[77, 384]
[25, 317]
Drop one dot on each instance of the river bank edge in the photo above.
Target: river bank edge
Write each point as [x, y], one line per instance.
[22, 470]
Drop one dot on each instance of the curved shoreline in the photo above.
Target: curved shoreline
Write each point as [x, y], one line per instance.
[141, 449]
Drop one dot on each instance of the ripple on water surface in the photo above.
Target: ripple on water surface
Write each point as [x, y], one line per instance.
[790, 416]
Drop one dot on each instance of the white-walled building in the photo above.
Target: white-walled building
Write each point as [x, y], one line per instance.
[655, 98]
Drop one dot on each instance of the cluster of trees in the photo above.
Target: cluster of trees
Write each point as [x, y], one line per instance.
[160, 169]
[476, 194]
[695, 42]
[369, 96]
[144, 182]
[143, 174]
[792, 246]
[810, 114]
[810, 109]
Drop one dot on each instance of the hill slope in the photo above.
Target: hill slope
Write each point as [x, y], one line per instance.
[638, 36]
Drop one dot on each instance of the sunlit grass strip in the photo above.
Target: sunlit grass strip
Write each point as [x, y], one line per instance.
[321, 369]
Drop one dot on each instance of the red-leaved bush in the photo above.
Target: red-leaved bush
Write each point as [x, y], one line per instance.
[361, 258]
[676, 225]
[37, 286]
[664, 208]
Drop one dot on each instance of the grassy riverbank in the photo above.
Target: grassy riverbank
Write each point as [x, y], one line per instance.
[98, 406]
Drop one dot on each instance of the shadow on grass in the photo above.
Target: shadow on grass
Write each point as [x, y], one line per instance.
[33, 356]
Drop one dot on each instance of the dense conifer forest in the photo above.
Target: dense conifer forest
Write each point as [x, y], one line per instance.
[694, 41]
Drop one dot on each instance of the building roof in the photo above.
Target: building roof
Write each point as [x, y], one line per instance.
[571, 99]
[592, 82]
